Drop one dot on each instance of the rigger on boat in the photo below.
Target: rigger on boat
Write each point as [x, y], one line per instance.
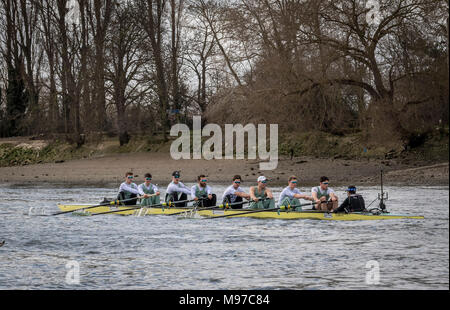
[322, 206]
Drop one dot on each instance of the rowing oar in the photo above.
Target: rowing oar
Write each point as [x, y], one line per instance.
[140, 207]
[262, 210]
[110, 203]
[217, 206]
[2, 243]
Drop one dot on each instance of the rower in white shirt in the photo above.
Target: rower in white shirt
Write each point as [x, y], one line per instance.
[177, 191]
[202, 193]
[291, 195]
[128, 190]
[234, 193]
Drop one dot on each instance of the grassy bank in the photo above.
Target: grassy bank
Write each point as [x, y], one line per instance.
[26, 151]
[433, 147]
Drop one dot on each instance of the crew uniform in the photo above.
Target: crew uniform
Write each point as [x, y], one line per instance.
[177, 192]
[321, 193]
[150, 190]
[202, 193]
[287, 198]
[128, 191]
[230, 197]
[263, 202]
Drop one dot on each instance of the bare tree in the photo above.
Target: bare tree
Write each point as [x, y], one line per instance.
[99, 17]
[126, 61]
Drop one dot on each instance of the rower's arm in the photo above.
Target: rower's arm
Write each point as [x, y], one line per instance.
[306, 197]
[155, 188]
[269, 193]
[243, 195]
[333, 196]
[126, 187]
[186, 190]
[252, 193]
[343, 206]
[140, 190]
[193, 191]
[314, 196]
[172, 188]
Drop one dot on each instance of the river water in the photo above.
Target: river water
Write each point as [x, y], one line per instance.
[160, 252]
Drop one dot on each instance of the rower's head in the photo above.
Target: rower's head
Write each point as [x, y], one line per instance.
[293, 181]
[129, 176]
[176, 177]
[351, 190]
[324, 181]
[202, 180]
[262, 181]
[148, 178]
[237, 180]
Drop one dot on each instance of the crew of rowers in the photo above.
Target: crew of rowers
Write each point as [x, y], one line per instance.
[322, 197]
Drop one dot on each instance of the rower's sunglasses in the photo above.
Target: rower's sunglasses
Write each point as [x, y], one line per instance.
[204, 181]
[326, 183]
[130, 177]
[148, 179]
[295, 182]
[237, 182]
[264, 182]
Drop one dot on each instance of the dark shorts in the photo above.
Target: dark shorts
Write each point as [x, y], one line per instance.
[227, 199]
[206, 202]
[132, 202]
[175, 198]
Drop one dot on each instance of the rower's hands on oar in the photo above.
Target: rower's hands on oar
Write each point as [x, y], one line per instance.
[149, 196]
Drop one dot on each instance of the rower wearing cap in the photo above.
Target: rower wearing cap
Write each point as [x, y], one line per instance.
[149, 189]
[323, 193]
[128, 190]
[203, 193]
[353, 203]
[261, 195]
[234, 193]
[177, 191]
[291, 195]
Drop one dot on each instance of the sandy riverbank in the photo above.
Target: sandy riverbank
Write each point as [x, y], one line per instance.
[110, 169]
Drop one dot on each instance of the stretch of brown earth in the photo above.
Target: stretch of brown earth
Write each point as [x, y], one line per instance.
[110, 170]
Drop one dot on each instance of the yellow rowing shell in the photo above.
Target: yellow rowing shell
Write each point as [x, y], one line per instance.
[237, 213]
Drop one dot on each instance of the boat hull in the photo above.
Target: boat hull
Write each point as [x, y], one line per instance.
[282, 215]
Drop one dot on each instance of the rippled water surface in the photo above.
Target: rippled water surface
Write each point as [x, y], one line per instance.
[161, 252]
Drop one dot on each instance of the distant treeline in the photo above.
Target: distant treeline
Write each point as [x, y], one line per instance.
[82, 67]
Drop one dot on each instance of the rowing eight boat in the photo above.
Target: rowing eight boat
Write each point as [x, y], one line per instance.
[285, 215]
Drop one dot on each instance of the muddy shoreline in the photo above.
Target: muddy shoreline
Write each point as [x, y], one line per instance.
[109, 170]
